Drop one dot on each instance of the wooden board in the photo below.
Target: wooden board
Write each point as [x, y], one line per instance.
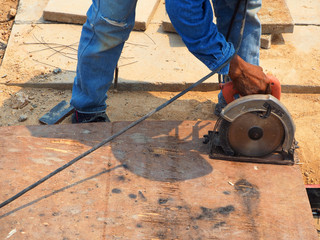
[154, 182]
[74, 11]
[274, 15]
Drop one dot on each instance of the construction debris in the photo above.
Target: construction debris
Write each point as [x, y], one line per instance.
[20, 100]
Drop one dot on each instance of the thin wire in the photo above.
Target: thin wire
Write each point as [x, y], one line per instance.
[105, 141]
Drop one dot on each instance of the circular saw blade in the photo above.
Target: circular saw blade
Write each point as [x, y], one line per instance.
[252, 135]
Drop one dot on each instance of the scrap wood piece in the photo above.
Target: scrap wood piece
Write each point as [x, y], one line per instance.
[74, 11]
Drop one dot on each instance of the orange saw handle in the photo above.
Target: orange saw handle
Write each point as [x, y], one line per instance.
[230, 93]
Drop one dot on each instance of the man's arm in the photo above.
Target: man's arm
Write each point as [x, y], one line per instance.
[247, 78]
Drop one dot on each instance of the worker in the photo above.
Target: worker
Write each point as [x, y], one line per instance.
[109, 23]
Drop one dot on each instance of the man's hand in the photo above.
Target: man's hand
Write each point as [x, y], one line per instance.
[247, 78]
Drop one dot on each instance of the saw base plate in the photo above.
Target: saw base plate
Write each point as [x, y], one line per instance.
[274, 158]
[277, 157]
[256, 128]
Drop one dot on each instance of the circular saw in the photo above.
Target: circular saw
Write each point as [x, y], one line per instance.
[254, 128]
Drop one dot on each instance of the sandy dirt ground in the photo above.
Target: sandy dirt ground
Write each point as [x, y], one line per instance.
[7, 14]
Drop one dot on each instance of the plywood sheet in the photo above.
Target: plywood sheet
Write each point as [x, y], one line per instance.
[154, 182]
[74, 11]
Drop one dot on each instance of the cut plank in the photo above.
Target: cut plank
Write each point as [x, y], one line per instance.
[166, 24]
[274, 15]
[74, 11]
[144, 12]
[71, 11]
[154, 182]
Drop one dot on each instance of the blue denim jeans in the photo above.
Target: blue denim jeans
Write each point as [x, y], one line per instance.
[108, 25]
[110, 22]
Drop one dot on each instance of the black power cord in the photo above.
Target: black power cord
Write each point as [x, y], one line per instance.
[105, 141]
[230, 29]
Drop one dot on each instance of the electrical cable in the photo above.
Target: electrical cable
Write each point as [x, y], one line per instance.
[220, 77]
[105, 141]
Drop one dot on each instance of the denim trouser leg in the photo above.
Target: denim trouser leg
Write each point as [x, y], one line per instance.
[108, 26]
[192, 19]
[250, 45]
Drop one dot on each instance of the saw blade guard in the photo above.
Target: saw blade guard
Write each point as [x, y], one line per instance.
[268, 105]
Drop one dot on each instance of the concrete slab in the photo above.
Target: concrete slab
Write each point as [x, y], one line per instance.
[74, 11]
[305, 12]
[294, 59]
[167, 188]
[150, 60]
[275, 17]
[166, 23]
[144, 13]
[30, 11]
[34, 50]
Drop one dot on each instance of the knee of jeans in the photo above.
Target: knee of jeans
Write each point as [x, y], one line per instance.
[107, 23]
[113, 31]
[253, 7]
[111, 17]
[115, 23]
